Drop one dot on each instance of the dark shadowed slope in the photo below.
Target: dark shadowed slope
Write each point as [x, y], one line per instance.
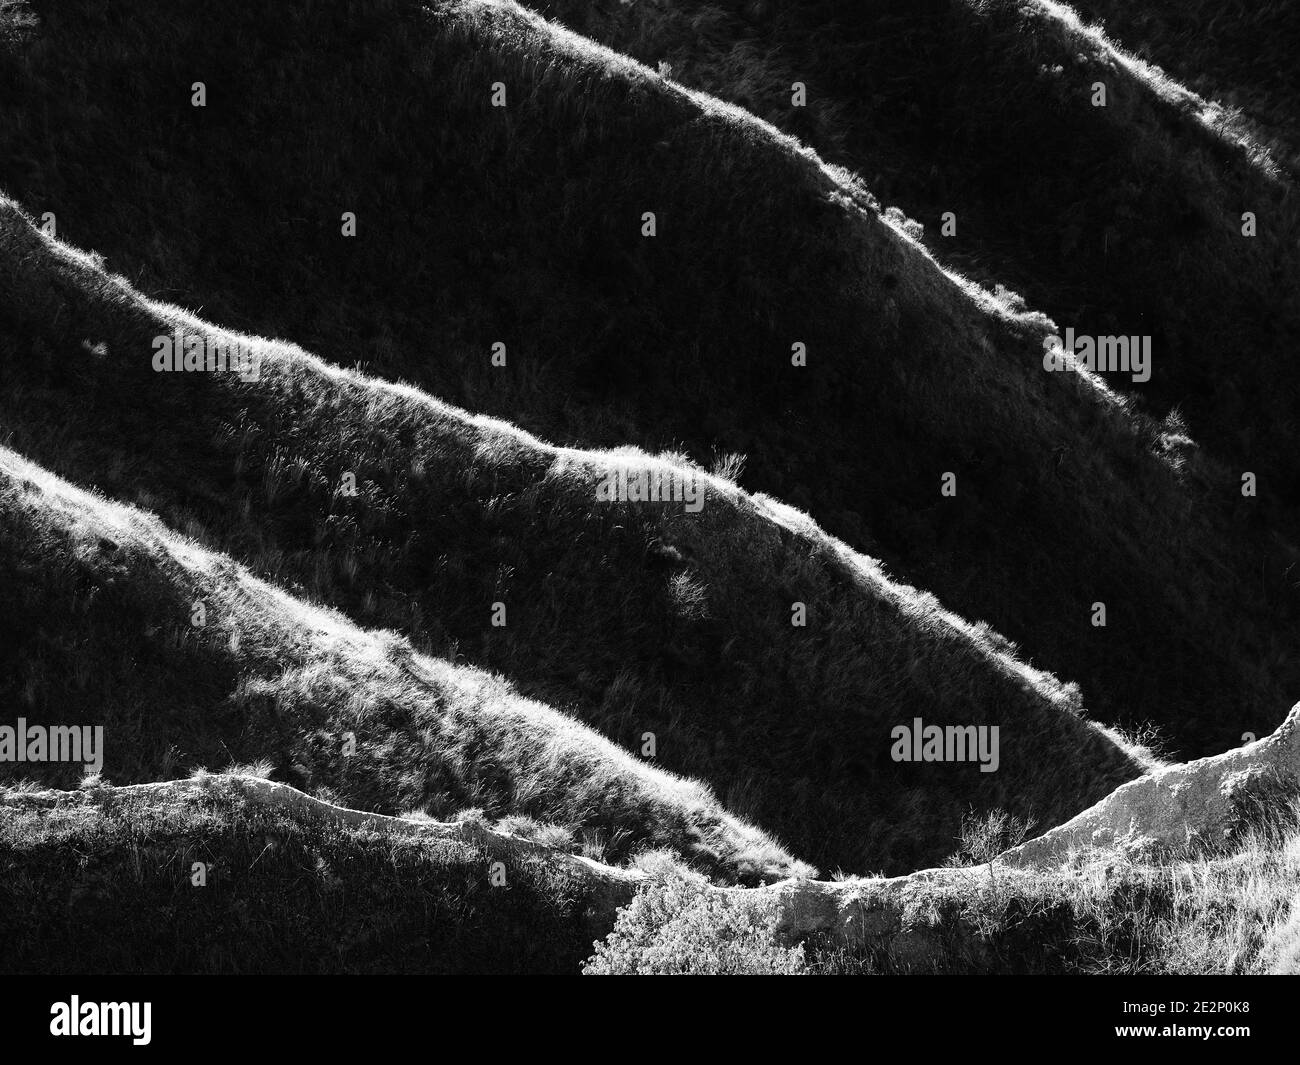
[648, 620]
[1121, 215]
[1239, 52]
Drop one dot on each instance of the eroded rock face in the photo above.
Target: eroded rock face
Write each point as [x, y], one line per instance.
[916, 919]
[1202, 801]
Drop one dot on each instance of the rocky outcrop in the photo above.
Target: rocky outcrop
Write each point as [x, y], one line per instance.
[916, 919]
[1199, 802]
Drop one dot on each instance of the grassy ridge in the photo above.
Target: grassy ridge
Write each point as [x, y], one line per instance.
[476, 225]
[638, 618]
[1122, 219]
[1221, 903]
[1223, 913]
[1240, 52]
[290, 892]
[284, 893]
[101, 630]
[357, 545]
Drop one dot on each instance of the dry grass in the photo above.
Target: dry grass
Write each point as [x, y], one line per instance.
[356, 714]
[1066, 498]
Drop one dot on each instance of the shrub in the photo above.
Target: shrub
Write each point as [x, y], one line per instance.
[985, 836]
[680, 927]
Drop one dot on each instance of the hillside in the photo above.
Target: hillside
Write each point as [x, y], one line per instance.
[1123, 218]
[1193, 869]
[185, 660]
[475, 228]
[486, 485]
[284, 889]
[1215, 896]
[1241, 52]
[635, 617]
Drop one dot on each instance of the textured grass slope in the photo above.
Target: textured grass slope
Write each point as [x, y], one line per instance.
[639, 618]
[285, 892]
[1123, 219]
[295, 886]
[1241, 52]
[100, 630]
[522, 225]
